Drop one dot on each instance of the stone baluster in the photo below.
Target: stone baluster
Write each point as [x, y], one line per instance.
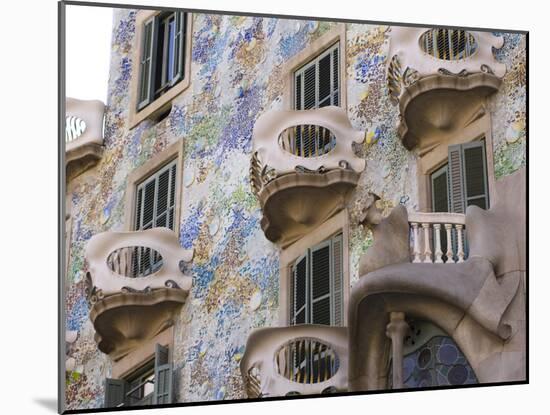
[416, 243]
[437, 236]
[427, 248]
[460, 250]
[396, 330]
[449, 253]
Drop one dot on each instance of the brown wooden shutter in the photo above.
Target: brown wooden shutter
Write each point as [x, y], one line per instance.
[300, 291]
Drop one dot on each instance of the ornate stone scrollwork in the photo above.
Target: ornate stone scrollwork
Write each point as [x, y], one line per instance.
[126, 290]
[302, 169]
[446, 72]
[410, 76]
[394, 79]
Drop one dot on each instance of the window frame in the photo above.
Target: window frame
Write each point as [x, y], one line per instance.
[444, 169]
[310, 299]
[338, 224]
[174, 151]
[309, 53]
[131, 364]
[436, 157]
[315, 62]
[159, 105]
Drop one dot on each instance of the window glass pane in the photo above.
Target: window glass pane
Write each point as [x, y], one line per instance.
[440, 191]
[474, 167]
[170, 49]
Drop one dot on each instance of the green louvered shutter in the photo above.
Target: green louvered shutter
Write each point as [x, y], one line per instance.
[163, 376]
[475, 174]
[456, 181]
[337, 280]
[147, 67]
[320, 290]
[179, 40]
[115, 391]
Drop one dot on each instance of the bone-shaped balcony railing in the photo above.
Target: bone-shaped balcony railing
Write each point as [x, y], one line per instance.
[295, 360]
[309, 141]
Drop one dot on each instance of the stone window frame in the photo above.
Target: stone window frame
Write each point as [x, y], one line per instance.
[137, 358]
[310, 52]
[163, 103]
[432, 160]
[339, 223]
[141, 173]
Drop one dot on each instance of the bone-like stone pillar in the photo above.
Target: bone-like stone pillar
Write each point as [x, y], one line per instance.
[396, 330]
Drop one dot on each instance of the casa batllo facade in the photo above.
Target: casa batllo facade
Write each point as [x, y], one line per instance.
[278, 207]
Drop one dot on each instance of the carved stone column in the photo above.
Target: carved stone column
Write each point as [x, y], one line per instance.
[396, 330]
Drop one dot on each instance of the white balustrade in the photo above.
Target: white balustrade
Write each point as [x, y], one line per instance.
[442, 239]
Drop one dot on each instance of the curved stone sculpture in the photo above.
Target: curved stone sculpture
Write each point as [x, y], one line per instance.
[126, 310]
[479, 303]
[298, 193]
[436, 96]
[259, 363]
[83, 135]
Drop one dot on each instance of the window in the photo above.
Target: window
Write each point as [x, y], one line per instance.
[462, 181]
[162, 59]
[151, 384]
[316, 286]
[155, 199]
[317, 84]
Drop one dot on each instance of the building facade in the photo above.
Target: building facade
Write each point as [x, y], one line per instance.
[279, 206]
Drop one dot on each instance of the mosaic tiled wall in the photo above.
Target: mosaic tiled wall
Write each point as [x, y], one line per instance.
[236, 75]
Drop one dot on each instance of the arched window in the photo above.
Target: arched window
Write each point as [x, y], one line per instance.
[432, 358]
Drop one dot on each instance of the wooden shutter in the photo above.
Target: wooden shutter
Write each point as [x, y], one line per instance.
[292, 295]
[321, 277]
[179, 40]
[475, 174]
[163, 376]
[456, 182]
[147, 67]
[317, 84]
[324, 89]
[337, 280]
[467, 176]
[300, 310]
[115, 392]
[155, 200]
[335, 76]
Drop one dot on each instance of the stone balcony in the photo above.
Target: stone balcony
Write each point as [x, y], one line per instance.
[83, 135]
[303, 169]
[134, 286]
[425, 266]
[440, 78]
[296, 360]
